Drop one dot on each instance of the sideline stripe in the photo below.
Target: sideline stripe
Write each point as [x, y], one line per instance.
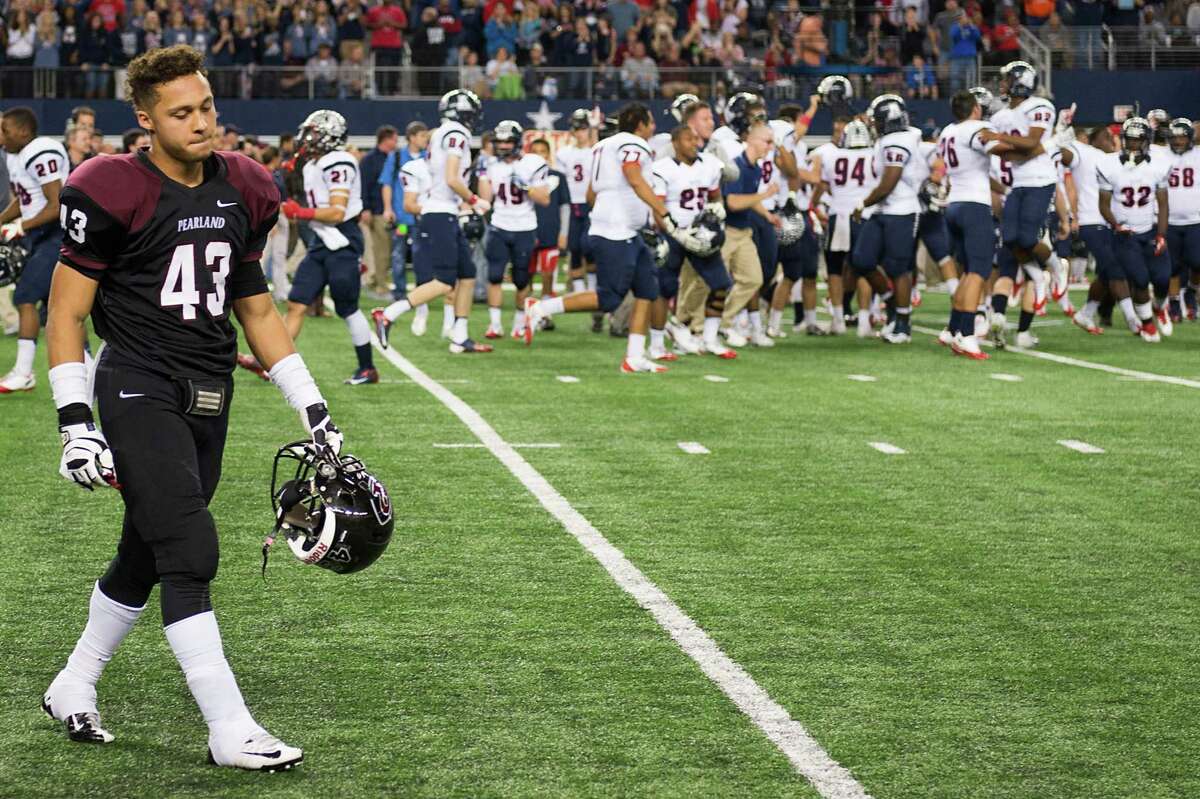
[694, 448]
[831, 779]
[1099, 367]
[1081, 446]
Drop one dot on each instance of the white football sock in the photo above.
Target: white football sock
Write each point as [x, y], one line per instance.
[810, 316]
[493, 316]
[519, 320]
[196, 642]
[712, 327]
[952, 285]
[551, 306]
[448, 314]
[635, 348]
[591, 281]
[1089, 309]
[1144, 311]
[74, 689]
[756, 326]
[776, 318]
[578, 284]
[360, 329]
[459, 335]
[26, 349]
[658, 339]
[396, 308]
[743, 318]
[422, 312]
[1131, 317]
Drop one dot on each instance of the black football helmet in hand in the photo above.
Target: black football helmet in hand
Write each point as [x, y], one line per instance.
[334, 512]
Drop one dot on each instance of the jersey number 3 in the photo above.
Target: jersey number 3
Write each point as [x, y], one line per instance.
[179, 289]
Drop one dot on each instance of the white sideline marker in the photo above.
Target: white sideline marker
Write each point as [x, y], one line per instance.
[1006, 378]
[1081, 446]
[886, 448]
[567, 379]
[716, 379]
[514, 446]
[831, 779]
[694, 448]
[863, 378]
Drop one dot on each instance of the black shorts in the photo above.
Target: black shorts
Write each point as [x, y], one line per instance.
[168, 462]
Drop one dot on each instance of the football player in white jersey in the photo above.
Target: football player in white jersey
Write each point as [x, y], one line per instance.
[848, 175]
[453, 268]
[621, 168]
[820, 160]
[512, 183]
[967, 157]
[418, 182]
[689, 183]
[1183, 231]
[575, 161]
[333, 191]
[887, 242]
[660, 143]
[1083, 158]
[1133, 200]
[1029, 130]
[37, 169]
[931, 229]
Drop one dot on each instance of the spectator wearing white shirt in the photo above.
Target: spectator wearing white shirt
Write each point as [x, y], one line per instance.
[639, 73]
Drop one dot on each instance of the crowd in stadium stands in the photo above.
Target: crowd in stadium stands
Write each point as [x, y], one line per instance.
[514, 49]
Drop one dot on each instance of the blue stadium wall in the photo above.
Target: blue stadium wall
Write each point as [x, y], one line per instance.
[1095, 93]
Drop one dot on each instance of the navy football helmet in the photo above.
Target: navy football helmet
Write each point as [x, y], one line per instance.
[507, 138]
[680, 105]
[1181, 135]
[334, 513]
[1018, 79]
[985, 99]
[12, 263]
[888, 114]
[461, 106]
[835, 91]
[472, 225]
[581, 119]
[743, 110]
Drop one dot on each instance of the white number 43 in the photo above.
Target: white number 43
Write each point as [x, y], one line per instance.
[179, 289]
[75, 224]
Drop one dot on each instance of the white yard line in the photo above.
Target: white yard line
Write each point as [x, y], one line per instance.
[830, 778]
[1006, 378]
[694, 448]
[1099, 367]
[862, 378]
[567, 379]
[716, 379]
[886, 448]
[1081, 446]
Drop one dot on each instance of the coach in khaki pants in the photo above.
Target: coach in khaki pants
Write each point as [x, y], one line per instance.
[742, 199]
[378, 229]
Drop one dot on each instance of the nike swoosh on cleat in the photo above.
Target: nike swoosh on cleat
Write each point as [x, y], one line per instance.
[225, 205]
[272, 755]
[123, 395]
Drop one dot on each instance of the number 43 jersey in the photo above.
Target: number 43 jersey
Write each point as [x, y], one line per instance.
[1134, 188]
[169, 259]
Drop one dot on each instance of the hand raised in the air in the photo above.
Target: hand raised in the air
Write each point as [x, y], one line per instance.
[86, 459]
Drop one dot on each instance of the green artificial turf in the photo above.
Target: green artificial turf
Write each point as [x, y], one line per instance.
[988, 615]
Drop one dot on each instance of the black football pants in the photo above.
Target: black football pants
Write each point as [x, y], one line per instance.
[168, 463]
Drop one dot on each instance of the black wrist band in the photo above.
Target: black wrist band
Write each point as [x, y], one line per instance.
[75, 413]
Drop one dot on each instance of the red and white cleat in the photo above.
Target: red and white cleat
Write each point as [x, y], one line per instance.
[1149, 333]
[518, 334]
[663, 355]
[533, 317]
[494, 333]
[632, 365]
[250, 364]
[1165, 326]
[968, 346]
[720, 350]
[1082, 321]
[946, 338]
[382, 325]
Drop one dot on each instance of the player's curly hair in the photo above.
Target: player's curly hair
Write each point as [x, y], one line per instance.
[155, 67]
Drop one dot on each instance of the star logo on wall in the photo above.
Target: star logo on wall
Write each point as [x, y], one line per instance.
[543, 118]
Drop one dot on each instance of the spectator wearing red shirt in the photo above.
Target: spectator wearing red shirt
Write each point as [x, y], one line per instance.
[109, 10]
[490, 7]
[1005, 38]
[387, 22]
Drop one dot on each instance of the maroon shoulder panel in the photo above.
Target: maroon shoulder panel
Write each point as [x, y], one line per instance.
[120, 185]
[256, 186]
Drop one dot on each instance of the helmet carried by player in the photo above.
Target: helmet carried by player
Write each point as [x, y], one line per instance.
[1181, 135]
[12, 263]
[609, 127]
[506, 139]
[320, 133]
[856, 135]
[1159, 119]
[473, 226]
[680, 105]
[706, 235]
[743, 110]
[985, 99]
[334, 512]
[581, 119]
[888, 114]
[1018, 79]
[1136, 135]
[792, 222]
[835, 92]
[461, 106]
[657, 244]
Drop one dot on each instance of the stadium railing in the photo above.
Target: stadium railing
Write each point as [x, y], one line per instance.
[1130, 47]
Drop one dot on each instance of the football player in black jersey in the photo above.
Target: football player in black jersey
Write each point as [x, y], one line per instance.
[158, 247]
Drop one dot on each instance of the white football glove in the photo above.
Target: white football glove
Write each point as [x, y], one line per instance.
[1065, 117]
[718, 210]
[552, 183]
[12, 230]
[691, 241]
[1065, 137]
[669, 226]
[86, 458]
[322, 429]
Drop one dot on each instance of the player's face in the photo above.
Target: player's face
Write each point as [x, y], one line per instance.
[541, 151]
[1134, 144]
[581, 136]
[646, 129]
[1179, 144]
[15, 136]
[701, 123]
[687, 145]
[1104, 141]
[183, 120]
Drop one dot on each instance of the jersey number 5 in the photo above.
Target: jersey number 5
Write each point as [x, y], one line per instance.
[179, 289]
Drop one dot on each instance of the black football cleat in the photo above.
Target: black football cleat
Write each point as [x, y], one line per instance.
[363, 376]
[382, 326]
[84, 728]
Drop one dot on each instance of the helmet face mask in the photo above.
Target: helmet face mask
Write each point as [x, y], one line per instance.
[334, 512]
[322, 132]
[856, 135]
[580, 119]
[461, 106]
[986, 101]
[1018, 79]
[743, 111]
[1136, 135]
[506, 139]
[1181, 135]
[889, 114]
